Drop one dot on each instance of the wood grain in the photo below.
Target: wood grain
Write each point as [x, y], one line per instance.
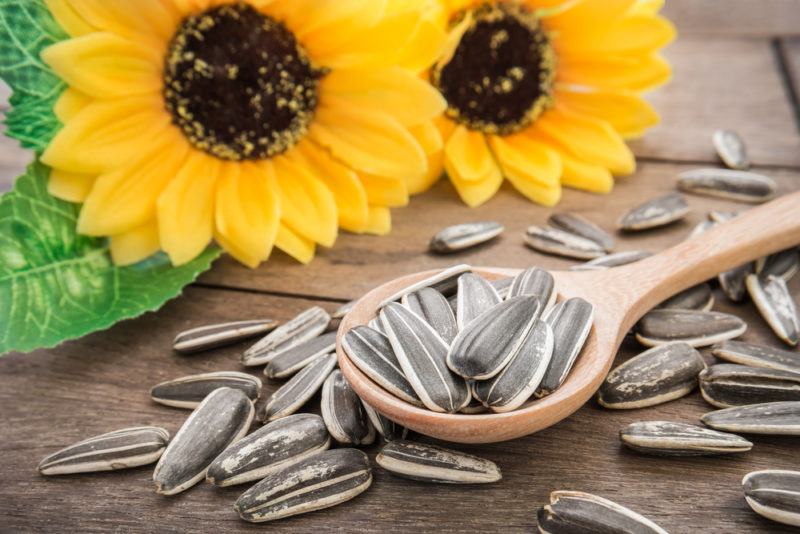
[735, 17]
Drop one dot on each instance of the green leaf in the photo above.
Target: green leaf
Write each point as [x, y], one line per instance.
[57, 285]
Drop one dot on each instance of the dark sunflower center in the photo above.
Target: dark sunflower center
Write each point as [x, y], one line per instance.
[238, 84]
[500, 76]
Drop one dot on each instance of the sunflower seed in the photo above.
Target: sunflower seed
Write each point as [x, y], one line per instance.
[724, 183]
[534, 282]
[665, 438]
[219, 335]
[774, 494]
[698, 297]
[657, 375]
[554, 241]
[582, 227]
[730, 384]
[732, 282]
[491, 340]
[697, 328]
[767, 418]
[269, 449]
[475, 296]
[731, 149]
[121, 449]
[421, 353]
[785, 264]
[571, 321]
[523, 374]
[720, 217]
[445, 282]
[701, 228]
[429, 463]
[660, 211]
[757, 355]
[776, 305]
[463, 236]
[612, 260]
[321, 481]
[572, 512]
[344, 309]
[295, 393]
[343, 412]
[474, 406]
[288, 362]
[189, 391]
[385, 427]
[502, 286]
[372, 353]
[221, 419]
[307, 325]
[376, 324]
[434, 308]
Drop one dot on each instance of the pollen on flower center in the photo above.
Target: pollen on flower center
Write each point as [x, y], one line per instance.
[500, 75]
[238, 84]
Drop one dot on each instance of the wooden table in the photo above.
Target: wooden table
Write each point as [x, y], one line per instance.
[736, 66]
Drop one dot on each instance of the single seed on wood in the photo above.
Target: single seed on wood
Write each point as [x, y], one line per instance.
[731, 149]
[583, 227]
[385, 426]
[269, 449]
[464, 236]
[307, 325]
[743, 186]
[699, 297]
[720, 217]
[429, 463]
[344, 413]
[571, 321]
[774, 494]
[757, 355]
[656, 376]
[121, 449]
[767, 418]
[475, 296]
[554, 241]
[697, 328]
[321, 481]
[219, 335]
[290, 361]
[776, 305]
[344, 309]
[665, 438]
[785, 264]
[701, 228]
[729, 384]
[534, 282]
[434, 308]
[291, 396]
[732, 281]
[573, 512]
[612, 260]
[445, 282]
[189, 391]
[221, 419]
[657, 212]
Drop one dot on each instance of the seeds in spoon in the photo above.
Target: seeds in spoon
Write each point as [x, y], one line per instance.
[785, 264]
[343, 412]
[290, 361]
[728, 384]
[743, 186]
[776, 305]
[767, 418]
[502, 285]
[534, 282]
[189, 391]
[731, 149]
[571, 321]
[699, 297]
[307, 325]
[612, 260]
[554, 241]
[732, 281]
[385, 427]
[572, 512]
[757, 355]
[774, 494]
[445, 282]
[697, 328]
[665, 438]
[298, 390]
[475, 296]
[583, 227]
[219, 335]
[269, 449]
[434, 308]
[660, 211]
[221, 419]
[121, 449]
[376, 324]
[657, 375]
[429, 463]
[464, 236]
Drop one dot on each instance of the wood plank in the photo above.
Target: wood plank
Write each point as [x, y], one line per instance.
[735, 17]
[790, 54]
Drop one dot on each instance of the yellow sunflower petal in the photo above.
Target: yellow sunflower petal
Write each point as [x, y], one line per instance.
[647, 7]
[135, 245]
[424, 47]
[634, 34]
[524, 160]
[192, 6]
[629, 73]
[142, 18]
[585, 16]
[295, 245]
[70, 186]
[68, 18]
[421, 183]
[379, 221]
[468, 154]
[306, 16]
[428, 136]
[580, 175]
[626, 112]
[475, 192]
[104, 65]
[383, 191]
[69, 104]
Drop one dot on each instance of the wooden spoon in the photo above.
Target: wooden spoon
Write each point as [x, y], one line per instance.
[620, 296]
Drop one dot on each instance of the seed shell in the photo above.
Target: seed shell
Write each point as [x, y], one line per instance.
[534, 282]
[429, 463]
[445, 282]
[701, 228]
[376, 324]
[767, 418]
[298, 390]
[385, 426]
[729, 384]
[288, 362]
[269, 449]
[660, 211]
[344, 309]
[699, 297]
[219, 335]
[732, 281]
[697, 328]
[554, 241]
[583, 227]
[612, 260]
[571, 321]
[731, 149]
[776, 305]
[464, 236]
[307, 325]
[720, 217]
[121, 449]
[774, 494]
[757, 355]
[221, 419]
[743, 186]
[665, 438]
[189, 391]
[573, 512]
[475, 296]
[785, 264]
[502, 285]
[321, 481]
[344, 413]
[434, 308]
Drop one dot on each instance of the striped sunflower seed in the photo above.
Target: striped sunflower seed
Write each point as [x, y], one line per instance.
[429, 463]
[572, 512]
[344, 413]
[290, 361]
[121, 449]
[731, 149]
[291, 396]
[421, 353]
[344, 309]
[189, 391]
[464, 236]
[554, 241]
[757, 355]
[474, 406]
[534, 282]
[743, 186]
[720, 217]
[697, 328]
[583, 227]
[219, 335]
[503, 286]
[612, 260]
[434, 308]
[656, 376]
[372, 353]
[321, 481]
[785, 264]
[475, 296]
[491, 340]
[665, 438]
[519, 379]
[307, 325]
[376, 324]
[776, 305]
[385, 426]
[732, 281]
[221, 419]
[774, 494]
[701, 228]
[699, 297]
[729, 384]
[445, 282]
[269, 449]
[660, 211]
[767, 418]
[571, 321]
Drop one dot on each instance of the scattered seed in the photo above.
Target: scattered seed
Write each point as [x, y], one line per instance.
[701, 228]
[720, 217]
[612, 260]
[219, 335]
[385, 426]
[290, 361]
[583, 227]
[732, 282]
[757, 355]
[743, 186]
[343, 412]
[697, 328]
[475, 296]
[344, 309]
[534, 282]
[189, 391]
[699, 297]
[665, 438]
[660, 211]
[309, 324]
[731, 149]
[776, 305]
[774, 494]
[429, 463]
[445, 282]
[730, 384]
[434, 308]
[554, 241]
[571, 321]
[767, 418]
[464, 236]
[295, 393]
[572, 512]
[785, 264]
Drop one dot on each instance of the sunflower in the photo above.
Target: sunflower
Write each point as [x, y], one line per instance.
[544, 93]
[256, 124]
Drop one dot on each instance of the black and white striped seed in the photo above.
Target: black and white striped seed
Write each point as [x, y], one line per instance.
[291, 396]
[290, 361]
[307, 325]
[219, 335]
[667, 438]
[189, 391]
[429, 463]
